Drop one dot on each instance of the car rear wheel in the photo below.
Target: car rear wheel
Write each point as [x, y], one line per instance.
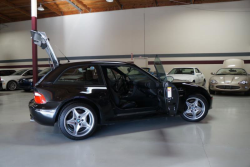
[196, 108]
[77, 121]
[12, 85]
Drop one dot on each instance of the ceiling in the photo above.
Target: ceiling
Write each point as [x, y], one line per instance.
[19, 10]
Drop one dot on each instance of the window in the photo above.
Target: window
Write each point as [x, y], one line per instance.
[30, 72]
[231, 71]
[197, 70]
[86, 75]
[189, 71]
[132, 73]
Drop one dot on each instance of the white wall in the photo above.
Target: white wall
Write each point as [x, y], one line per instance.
[205, 28]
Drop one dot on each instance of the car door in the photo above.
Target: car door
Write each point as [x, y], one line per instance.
[168, 94]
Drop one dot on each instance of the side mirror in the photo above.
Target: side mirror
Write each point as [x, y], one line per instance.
[212, 73]
[170, 78]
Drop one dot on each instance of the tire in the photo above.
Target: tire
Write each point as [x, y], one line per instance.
[196, 108]
[80, 125]
[12, 85]
[204, 83]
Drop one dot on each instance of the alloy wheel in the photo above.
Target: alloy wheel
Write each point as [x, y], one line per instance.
[12, 85]
[195, 108]
[79, 121]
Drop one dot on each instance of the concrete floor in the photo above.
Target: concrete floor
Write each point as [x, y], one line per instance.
[222, 139]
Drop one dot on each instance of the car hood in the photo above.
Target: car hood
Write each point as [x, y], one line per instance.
[11, 77]
[229, 79]
[183, 77]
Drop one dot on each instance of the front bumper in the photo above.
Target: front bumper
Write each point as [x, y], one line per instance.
[44, 114]
[2, 85]
[25, 85]
[229, 88]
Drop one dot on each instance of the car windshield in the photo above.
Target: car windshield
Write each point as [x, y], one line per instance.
[20, 72]
[231, 71]
[189, 71]
[45, 71]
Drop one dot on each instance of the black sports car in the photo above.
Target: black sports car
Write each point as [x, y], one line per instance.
[27, 83]
[80, 96]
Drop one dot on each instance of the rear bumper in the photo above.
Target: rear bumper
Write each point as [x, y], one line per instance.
[44, 114]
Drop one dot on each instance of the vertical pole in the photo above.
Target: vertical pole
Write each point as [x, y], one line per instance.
[34, 47]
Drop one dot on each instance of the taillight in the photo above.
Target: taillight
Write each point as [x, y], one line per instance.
[39, 98]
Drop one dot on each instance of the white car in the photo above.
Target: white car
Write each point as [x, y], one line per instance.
[11, 82]
[189, 74]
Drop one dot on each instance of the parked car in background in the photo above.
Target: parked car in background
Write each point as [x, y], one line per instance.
[4, 72]
[230, 80]
[81, 95]
[11, 82]
[190, 74]
[27, 83]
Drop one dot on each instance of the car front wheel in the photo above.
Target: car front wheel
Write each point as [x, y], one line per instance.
[12, 85]
[196, 108]
[77, 121]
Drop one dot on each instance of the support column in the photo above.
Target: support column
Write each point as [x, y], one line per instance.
[34, 47]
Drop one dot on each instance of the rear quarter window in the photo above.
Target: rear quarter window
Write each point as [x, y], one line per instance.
[81, 75]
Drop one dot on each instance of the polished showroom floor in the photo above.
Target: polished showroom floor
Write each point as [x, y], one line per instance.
[222, 139]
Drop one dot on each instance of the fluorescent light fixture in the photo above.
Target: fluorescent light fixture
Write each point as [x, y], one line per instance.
[109, 0]
[40, 8]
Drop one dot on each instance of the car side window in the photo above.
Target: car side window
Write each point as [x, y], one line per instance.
[197, 70]
[82, 75]
[111, 74]
[30, 72]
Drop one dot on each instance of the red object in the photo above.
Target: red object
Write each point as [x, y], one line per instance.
[34, 53]
[39, 98]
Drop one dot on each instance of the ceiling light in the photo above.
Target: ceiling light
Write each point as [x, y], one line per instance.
[109, 0]
[40, 8]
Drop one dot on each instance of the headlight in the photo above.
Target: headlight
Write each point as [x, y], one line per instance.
[213, 81]
[243, 82]
[2, 79]
[30, 80]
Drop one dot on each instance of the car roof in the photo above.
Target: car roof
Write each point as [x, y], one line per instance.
[94, 62]
[185, 67]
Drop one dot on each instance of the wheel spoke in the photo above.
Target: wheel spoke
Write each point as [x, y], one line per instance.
[71, 122]
[196, 102]
[188, 104]
[85, 114]
[199, 108]
[194, 114]
[75, 114]
[76, 129]
[187, 111]
[86, 125]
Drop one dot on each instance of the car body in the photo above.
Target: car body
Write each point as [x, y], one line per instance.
[189, 74]
[230, 80]
[27, 83]
[11, 82]
[80, 96]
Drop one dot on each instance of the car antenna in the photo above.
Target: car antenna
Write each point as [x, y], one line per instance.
[62, 54]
